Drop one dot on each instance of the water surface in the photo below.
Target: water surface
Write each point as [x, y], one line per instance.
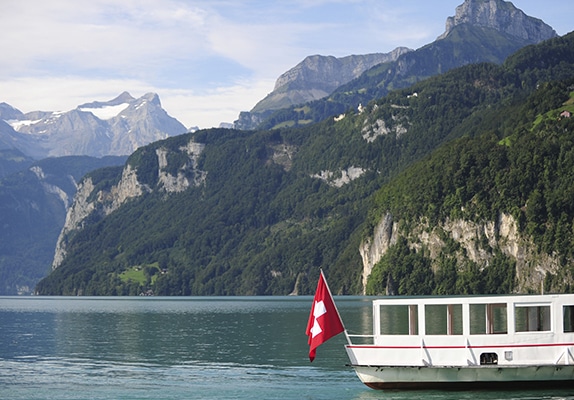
[184, 348]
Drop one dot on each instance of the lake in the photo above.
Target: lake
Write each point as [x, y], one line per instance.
[185, 348]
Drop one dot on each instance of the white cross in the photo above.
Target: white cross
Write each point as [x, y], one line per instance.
[318, 310]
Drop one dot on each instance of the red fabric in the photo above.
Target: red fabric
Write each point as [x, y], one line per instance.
[324, 320]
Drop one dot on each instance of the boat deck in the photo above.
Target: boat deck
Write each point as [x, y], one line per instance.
[468, 331]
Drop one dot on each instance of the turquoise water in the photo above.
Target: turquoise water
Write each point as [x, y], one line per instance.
[184, 348]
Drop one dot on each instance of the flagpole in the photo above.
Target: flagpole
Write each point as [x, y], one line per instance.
[336, 309]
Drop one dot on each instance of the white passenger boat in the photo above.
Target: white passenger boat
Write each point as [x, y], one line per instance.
[494, 342]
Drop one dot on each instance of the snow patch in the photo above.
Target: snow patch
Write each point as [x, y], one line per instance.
[143, 103]
[106, 112]
[17, 124]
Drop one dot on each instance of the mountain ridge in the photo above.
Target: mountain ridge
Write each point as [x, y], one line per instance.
[313, 78]
[502, 16]
[97, 129]
[467, 39]
[272, 207]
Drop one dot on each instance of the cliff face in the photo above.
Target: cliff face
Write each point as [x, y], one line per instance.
[91, 202]
[503, 17]
[477, 242]
[313, 78]
[375, 247]
[326, 73]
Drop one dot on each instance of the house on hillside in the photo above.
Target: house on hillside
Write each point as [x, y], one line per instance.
[565, 114]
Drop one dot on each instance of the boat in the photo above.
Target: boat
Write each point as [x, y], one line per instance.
[501, 342]
[476, 342]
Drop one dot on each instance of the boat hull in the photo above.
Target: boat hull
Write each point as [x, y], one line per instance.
[464, 378]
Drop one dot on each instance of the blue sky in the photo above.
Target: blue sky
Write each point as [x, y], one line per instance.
[207, 59]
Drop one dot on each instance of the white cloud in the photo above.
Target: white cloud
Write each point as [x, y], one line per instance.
[97, 35]
[205, 109]
[218, 105]
[63, 93]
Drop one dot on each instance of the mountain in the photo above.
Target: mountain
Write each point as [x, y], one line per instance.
[33, 206]
[313, 78]
[11, 159]
[497, 219]
[13, 145]
[35, 195]
[97, 129]
[481, 31]
[441, 187]
[502, 16]
[7, 112]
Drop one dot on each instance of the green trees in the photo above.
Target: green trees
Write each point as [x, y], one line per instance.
[530, 176]
[473, 143]
[402, 271]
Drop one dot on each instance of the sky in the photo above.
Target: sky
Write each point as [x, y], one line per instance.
[206, 59]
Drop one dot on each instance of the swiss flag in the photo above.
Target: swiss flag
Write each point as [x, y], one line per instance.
[324, 320]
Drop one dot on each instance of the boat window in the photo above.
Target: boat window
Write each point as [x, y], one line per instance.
[488, 319]
[442, 319]
[568, 318]
[534, 318]
[399, 319]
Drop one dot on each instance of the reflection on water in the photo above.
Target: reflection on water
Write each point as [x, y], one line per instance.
[240, 348]
[183, 348]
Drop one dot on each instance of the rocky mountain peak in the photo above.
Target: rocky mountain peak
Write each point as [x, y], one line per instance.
[502, 16]
[123, 98]
[153, 98]
[99, 128]
[331, 72]
[313, 78]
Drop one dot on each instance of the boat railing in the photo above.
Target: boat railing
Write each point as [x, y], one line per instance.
[361, 339]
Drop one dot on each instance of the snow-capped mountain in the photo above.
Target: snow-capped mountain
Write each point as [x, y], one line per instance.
[115, 127]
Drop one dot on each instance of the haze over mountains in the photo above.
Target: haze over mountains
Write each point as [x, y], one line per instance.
[232, 212]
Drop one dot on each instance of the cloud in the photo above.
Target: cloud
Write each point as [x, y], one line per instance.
[63, 93]
[221, 104]
[98, 35]
[206, 108]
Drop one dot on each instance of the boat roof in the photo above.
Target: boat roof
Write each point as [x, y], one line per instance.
[474, 299]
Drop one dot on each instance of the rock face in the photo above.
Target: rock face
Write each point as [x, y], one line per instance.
[96, 205]
[375, 247]
[317, 76]
[502, 16]
[313, 78]
[115, 127]
[477, 242]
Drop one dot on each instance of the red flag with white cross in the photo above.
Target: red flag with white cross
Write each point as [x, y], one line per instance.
[324, 320]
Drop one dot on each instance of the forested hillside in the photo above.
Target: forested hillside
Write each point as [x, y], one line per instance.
[519, 161]
[269, 208]
[33, 206]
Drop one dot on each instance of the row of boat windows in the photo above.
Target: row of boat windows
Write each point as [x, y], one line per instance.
[484, 319]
